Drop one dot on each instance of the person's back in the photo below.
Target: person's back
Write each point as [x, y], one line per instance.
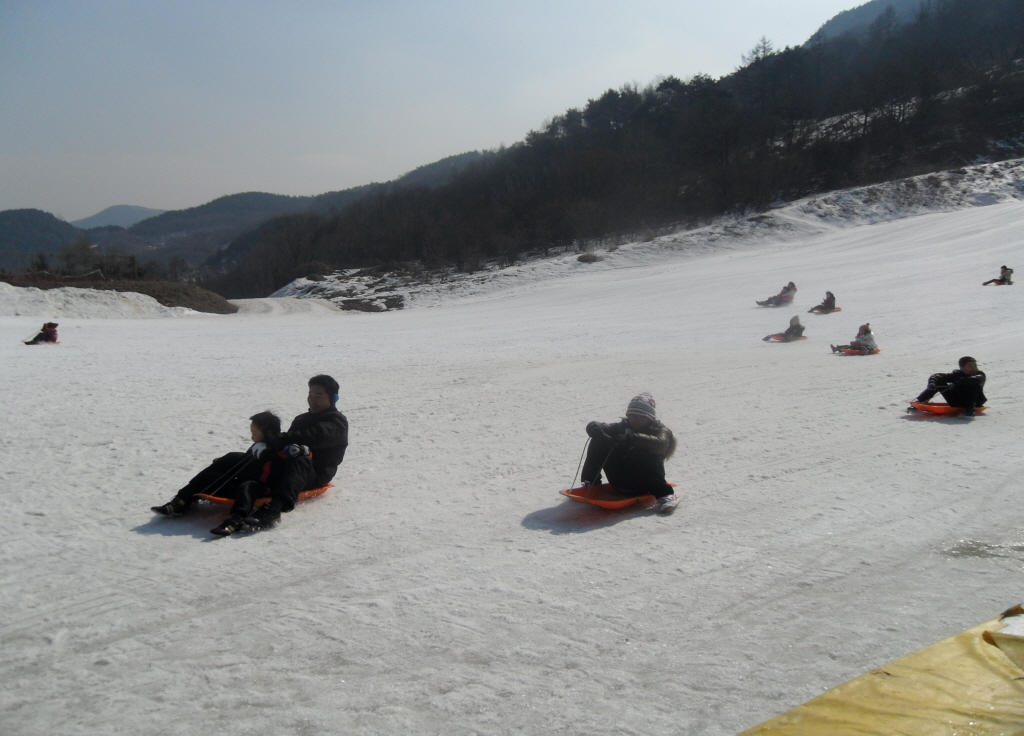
[794, 330]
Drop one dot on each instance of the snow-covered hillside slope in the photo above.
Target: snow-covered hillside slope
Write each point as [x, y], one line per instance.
[69, 301]
[444, 587]
[949, 191]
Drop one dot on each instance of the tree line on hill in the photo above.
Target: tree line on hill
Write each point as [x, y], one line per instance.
[900, 99]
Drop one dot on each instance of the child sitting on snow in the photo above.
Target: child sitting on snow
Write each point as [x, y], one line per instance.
[864, 342]
[783, 297]
[827, 305]
[792, 332]
[47, 334]
[1005, 277]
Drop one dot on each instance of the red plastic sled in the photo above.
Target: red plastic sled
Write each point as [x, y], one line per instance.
[849, 351]
[938, 408]
[793, 339]
[606, 496]
[816, 310]
[221, 501]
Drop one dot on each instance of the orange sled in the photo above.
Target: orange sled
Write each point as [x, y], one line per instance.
[606, 496]
[941, 408]
[221, 501]
[848, 351]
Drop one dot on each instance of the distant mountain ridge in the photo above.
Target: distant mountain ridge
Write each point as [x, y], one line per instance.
[195, 233]
[120, 215]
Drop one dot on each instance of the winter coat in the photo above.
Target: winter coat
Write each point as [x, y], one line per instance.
[866, 340]
[1006, 275]
[655, 438]
[944, 381]
[793, 331]
[326, 434]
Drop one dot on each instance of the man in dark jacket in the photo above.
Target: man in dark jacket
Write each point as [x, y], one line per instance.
[962, 388]
[306, 456]
[632, 452]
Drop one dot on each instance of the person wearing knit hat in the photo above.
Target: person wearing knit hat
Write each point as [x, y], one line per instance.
[792, 332]
[632, 452]
[963, 388]
[864, 342]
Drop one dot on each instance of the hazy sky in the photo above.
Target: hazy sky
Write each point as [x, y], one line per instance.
[172, 103]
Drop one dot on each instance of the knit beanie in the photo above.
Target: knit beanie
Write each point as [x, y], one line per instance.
[641, 405]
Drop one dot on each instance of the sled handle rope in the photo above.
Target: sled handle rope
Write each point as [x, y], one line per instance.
[222, 481]
[572, 483]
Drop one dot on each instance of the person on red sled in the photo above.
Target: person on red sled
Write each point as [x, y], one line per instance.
[305, 457]
[827, 305]
[792, 332]
[632, 452]
[47, 334]
[963, 388]
[1005, 277]
[864, 342]
[783, 297]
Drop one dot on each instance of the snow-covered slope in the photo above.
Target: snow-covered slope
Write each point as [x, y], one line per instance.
[444, 586]
[69, 301]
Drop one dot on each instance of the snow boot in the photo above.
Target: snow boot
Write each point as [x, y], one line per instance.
[667, 504]
[174, 507]
[262, 518]
[229, 527]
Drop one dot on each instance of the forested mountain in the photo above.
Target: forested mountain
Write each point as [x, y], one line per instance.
[24, 232]
[859, 19]
[947, 87]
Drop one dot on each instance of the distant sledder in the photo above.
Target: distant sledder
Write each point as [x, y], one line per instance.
[827, 306]
[795, 331]
[46, 335]
[632, 453]
[863, 344]
[963, 390]
[783, 297]
[1005, 277]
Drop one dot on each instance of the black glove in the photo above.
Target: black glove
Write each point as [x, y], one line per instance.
[595, 432]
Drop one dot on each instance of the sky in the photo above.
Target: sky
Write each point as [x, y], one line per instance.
[170, 104]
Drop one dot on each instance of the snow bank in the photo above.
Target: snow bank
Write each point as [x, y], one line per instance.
[16, 301]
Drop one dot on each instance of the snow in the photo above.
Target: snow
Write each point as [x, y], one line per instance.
[444, 586]
[69, 301]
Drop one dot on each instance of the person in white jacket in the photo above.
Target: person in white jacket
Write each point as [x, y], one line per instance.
[864, 342]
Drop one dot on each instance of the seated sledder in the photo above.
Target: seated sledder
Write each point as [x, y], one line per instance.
[1005, 277]
[783, 297]
[632, 452]
[293, 467]
[963, 388]
[828, 304]
[794, 331]
[47, 334]
[864, 343]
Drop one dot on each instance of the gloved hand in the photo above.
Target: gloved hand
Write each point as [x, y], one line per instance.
[258, 449]
[294, 451]
[595, 432]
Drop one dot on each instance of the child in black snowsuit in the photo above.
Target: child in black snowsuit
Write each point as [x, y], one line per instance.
[827, 305]
[792, 332]
[962, 388]
[47, 334]
[632, 452]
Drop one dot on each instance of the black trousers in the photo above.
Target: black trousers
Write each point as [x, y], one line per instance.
[237, 476]
[630, 470]
[969, 394]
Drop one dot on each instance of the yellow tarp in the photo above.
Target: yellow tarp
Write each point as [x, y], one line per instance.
[971, 684]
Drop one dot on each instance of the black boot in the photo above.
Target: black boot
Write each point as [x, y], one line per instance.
[229, 527]
[263, 517]
[174, 507]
